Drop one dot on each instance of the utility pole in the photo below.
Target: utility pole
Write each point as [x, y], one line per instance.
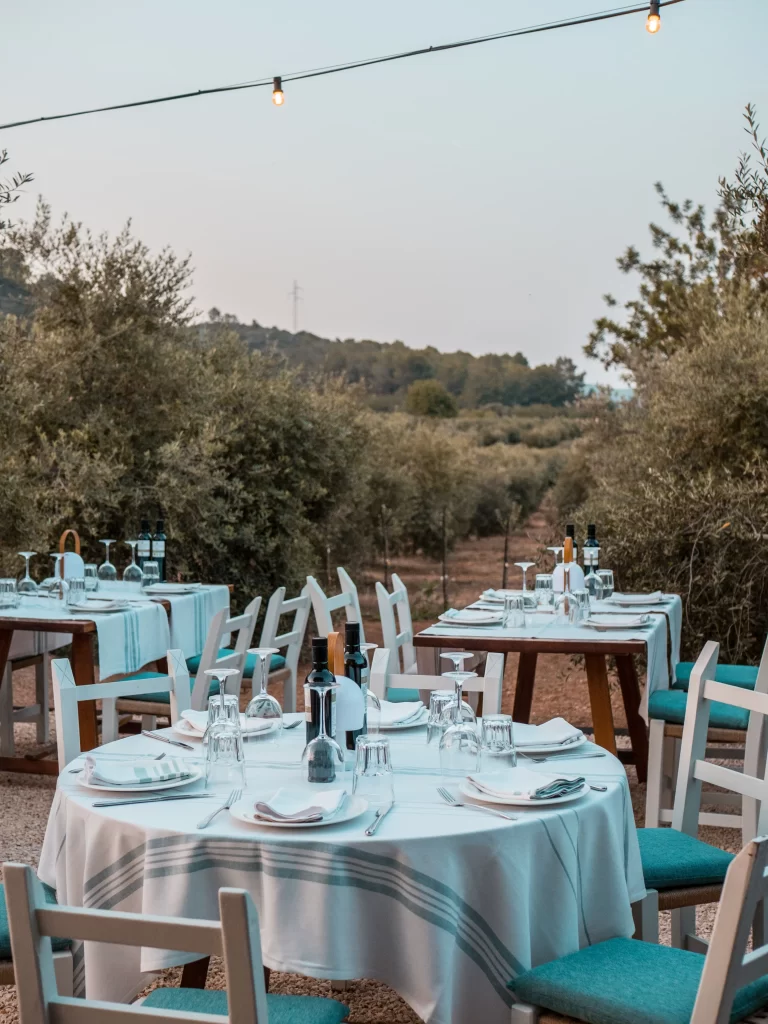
[295, 295]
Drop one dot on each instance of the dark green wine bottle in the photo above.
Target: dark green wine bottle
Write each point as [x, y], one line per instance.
[355, 666]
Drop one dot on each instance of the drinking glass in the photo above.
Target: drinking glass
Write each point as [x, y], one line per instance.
[107, 571]
[222, 706]
[439, 702]
[544, 589]
[322, 754]
[59, 586]
[459, 744]
[132, 573]
[76, 595]
[525, 566]
[150, 573]
[373, 770]
[91, 577]
[514, 611]
[224, 756]
[606, 575]
[458, 658]
[263, 705]
[578, 607]
[27, 586]
[497, 743]
[9, 595]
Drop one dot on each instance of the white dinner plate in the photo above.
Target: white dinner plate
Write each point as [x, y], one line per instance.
[603, 622]
[353, 808]
[142, 787]
[420, 719]
[173, 588]
[551, 748]
[636, 600]
[467, 789]
[467, 617]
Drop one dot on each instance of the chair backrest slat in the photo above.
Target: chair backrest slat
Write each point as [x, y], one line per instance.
[396, 625]
[221, 626]
[33, 922]
[322, 606]
[67, 696]
[291, 641]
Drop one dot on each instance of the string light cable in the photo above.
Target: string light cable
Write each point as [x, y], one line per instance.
[277, 82]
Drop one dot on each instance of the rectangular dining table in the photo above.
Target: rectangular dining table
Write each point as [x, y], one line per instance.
[595, 651]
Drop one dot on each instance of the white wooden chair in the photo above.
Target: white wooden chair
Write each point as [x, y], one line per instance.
[67, 696]
[323, 606]
[728, 728]
[682, 872]
[383, 679]
[61, 953]
[27, 649]
[214, 656]
[236, 939]
[618, 980]
[298, 607]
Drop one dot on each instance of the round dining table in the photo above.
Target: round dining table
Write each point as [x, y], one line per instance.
[444, 904]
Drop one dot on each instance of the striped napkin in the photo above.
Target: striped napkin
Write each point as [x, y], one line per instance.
[298, 805]
[522, 783]
[132, 773]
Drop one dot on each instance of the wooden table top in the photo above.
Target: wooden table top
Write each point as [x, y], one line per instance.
[538, 645]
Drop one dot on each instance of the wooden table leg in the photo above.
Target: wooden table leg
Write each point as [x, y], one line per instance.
[630, 691]
[195, 974]
[600, 701]
[6, 703]
[84, 673]
[526, 674]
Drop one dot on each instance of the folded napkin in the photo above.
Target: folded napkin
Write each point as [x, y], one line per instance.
[399, 713]
[132, 773]
[552, 733]
[525, 784]
[300, 805]
[496, 597]
[198, 720]
[639, 599]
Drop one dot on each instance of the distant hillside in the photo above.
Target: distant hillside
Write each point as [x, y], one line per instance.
[388, 369]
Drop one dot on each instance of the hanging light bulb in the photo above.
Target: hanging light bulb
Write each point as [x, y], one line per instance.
[278, 96]
[653, 24]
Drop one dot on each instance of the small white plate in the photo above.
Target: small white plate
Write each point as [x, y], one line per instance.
[420, 719]
[142, 787]
[468, 617]
[551, 748]
[602, 623]
[96, 607]
[636, 600]
[353, 808]
[467, 789]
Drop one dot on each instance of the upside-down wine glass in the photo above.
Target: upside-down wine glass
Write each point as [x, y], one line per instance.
[221, 704]
[372, 702]
[263, 706]
[27, 586]
[556, 550]
[323, 753]
[132, 573]
[59, 587]
[458, 658]
[459, 744]
[107, 571]
[525, 566]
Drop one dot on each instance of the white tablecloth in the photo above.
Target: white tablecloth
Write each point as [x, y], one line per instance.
[127, 639]
[190, 615]
[445, 905]
[546, 627]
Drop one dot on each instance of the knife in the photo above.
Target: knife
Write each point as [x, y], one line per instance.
[380, 816]
[152, 799]
[165, 739]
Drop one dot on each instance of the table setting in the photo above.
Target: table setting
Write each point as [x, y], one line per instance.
[424, 865]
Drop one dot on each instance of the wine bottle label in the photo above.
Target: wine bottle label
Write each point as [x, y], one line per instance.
[142, 549]
[158, 548]
[307, 705]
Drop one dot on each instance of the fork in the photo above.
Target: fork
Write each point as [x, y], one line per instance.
[233, 797]
[453, 802]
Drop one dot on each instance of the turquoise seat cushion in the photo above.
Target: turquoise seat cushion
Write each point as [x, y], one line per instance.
[280, 1009]
[5, 935]
[277, 661]
[672, 859]
[737, 675]
[397, 696]
[669, 706]
[625, 981]
[163, 698]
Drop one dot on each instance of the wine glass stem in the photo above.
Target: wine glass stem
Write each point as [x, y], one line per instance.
[263, 658]
[524, 586]
[322, 713]
[459, 697]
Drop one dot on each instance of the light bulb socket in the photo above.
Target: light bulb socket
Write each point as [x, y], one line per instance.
[654, 11]
[277, 82]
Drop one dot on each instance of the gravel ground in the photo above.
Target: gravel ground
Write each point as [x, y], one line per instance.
[561, 690]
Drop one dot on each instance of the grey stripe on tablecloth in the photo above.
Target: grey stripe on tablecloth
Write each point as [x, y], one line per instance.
[426, 897]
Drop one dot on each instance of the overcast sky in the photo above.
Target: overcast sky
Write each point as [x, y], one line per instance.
[474, 199]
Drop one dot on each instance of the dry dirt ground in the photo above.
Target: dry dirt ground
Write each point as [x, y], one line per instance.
[560, 690]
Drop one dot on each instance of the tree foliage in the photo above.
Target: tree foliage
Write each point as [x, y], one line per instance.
[430, 398]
